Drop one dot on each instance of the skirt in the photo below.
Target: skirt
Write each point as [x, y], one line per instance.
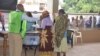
[63, 47]
[48, 50]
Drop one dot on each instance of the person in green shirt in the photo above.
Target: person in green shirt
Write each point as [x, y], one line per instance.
[16, 31]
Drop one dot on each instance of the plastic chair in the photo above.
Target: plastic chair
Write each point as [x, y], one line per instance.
[77, 35]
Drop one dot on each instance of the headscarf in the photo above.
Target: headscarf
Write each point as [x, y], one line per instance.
[61, 12]
[44, 15]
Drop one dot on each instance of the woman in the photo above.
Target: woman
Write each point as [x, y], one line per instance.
[73, 23]
[77, 21]
[94, 21]
[2, 21]
[46, 48]
[81, 22]
[60, 29]
[30, 20]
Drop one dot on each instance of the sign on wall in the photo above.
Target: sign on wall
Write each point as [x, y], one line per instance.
[8, 4]
[33, 5]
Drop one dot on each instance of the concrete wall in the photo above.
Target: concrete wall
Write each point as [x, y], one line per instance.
[91, 36]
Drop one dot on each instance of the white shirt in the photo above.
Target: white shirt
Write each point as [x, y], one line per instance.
[27, 18]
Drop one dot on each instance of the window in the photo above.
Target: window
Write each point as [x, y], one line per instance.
[34, 5]
[8, 4]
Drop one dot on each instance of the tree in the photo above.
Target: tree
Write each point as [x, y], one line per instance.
[77, 6]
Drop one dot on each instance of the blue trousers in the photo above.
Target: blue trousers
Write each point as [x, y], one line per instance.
[69, 39]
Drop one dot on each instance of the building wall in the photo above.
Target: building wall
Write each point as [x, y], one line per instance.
[91, 36]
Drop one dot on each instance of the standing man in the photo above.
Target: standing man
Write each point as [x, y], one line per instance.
[15, 29]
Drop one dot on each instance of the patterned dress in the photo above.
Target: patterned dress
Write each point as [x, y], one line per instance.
[45, 48]
[60, 28]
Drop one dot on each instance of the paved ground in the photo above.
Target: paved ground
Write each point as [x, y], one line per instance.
[92, 49]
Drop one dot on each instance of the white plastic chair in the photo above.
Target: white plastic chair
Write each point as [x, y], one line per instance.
[78, 35]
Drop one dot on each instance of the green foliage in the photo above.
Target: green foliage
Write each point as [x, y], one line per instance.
[96, 8]
[86, 8]
[78, 6]
[65, 6]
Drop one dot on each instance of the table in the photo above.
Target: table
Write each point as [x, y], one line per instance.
[4, 35]
[31, 33]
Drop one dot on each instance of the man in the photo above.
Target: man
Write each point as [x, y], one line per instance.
[15, 30]
[89, 22]
[98, 20]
